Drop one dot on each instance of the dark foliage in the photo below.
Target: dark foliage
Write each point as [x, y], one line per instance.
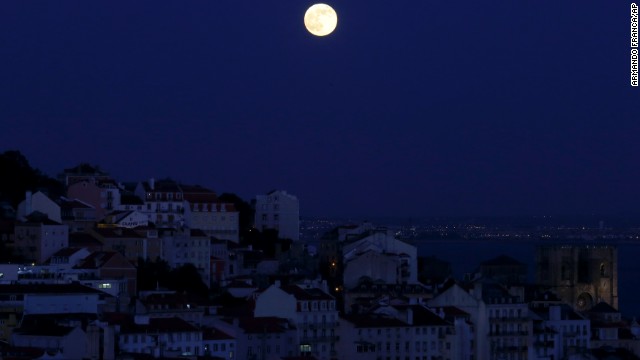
[186, 278]
[246, 212]
[18, 177]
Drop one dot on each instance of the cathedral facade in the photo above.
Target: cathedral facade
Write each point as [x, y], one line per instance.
[581, 275]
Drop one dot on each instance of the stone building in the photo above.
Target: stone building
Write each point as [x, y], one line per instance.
[581, 275]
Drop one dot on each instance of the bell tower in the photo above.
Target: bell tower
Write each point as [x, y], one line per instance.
[581, 275]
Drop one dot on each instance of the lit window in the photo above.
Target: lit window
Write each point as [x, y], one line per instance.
[104, 286]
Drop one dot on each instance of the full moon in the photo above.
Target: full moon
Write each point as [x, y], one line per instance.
[320, 19]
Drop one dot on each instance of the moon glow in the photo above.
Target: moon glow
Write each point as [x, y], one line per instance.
[320, 19]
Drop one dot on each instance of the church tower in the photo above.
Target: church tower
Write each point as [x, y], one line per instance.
[581, 275]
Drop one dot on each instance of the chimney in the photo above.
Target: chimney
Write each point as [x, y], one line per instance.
[409, 316]
[277, 283]
[152, 183]
[28, 206]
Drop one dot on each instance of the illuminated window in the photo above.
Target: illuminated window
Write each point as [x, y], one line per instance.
[305, 348]
[104, 286]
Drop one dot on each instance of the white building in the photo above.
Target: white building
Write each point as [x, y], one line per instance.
[203, 210]
[310, 308]
[189, 247]
[68, 342]
[380, 256]
[502, 323]
[163, 202]
[409, 332]
[51, 299]
[41, 203]
[37, 238]
[561, 332]
[280, 211]
[217, 343]
[160, 337]
[265, 338]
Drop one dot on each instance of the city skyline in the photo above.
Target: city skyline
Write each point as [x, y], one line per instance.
[412, 110]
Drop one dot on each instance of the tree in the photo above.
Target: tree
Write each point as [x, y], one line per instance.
[187, 279]
[18, 177]
[152, 274]
[246, 212]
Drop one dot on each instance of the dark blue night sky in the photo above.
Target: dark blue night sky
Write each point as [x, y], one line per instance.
[409, 108]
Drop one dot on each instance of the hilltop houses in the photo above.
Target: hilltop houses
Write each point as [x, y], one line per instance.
[159, 269]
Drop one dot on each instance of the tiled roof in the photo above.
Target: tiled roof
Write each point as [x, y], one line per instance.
[215, 334]
[306, 294]
[97, 259]
[198, 233]
[603, 307]
[259, 325]
[73, 288]
[160, 325]
[79, 239]
[452, 311]
[37, 218]
[200, 197]
[566, 312]
[74, 204]
[64, 252]
[52, 330]
[374, 321]
[423, 316]
[163, 186]
[117, 233]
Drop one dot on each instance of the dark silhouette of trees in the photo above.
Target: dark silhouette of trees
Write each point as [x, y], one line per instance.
[18, 177]
[246, 212]
[154, 274]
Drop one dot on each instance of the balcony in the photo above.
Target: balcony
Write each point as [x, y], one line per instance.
[510, 349]
[508, 333]
[508, 319]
